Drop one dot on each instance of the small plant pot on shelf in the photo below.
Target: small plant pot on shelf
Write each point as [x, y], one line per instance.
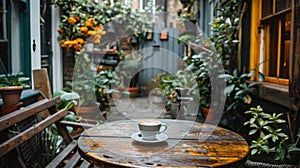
[11, 94]
[89, 113]
[134, 91]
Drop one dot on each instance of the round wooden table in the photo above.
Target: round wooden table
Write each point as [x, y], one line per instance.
[188, 145]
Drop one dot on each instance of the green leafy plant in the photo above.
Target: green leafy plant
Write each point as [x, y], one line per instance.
[82, 19]
[198, 65]
[14, 80]
[238, 93]
[269, 136]
[128, 68]
[185, 39]
[53, 142]
[167, 85]
[238, 90]
[293, 147]
[170, 85]
[68, 99]
[186, 11]
[225, 28]
[104, 82]
[84, 79]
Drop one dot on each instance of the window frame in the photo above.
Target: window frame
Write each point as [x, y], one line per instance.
[265, 22]
[4, 23]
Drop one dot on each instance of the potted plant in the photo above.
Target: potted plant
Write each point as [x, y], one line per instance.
[128, 69]
[269, 144]
[69, 101]
[104, 82]
[198, 66]
[11, 88]
[238, 94]
[84, 84]
[177, 89]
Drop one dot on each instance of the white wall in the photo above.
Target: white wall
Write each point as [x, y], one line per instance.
[35, 34]
[15, 38]
[57, 62]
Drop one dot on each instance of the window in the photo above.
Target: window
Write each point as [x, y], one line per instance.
[276, 21]
[3, 37]
[3, 12]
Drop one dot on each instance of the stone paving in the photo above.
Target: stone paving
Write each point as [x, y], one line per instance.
[140, 108]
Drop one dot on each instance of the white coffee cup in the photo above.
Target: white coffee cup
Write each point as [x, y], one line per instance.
[151, 128]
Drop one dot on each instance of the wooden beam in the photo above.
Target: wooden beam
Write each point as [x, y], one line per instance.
[254, 34]
[294, 88]
[14, 117]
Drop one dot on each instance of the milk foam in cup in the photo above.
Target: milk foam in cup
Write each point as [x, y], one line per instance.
[151, 128]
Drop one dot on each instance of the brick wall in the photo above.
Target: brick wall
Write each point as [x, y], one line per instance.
[68, 65]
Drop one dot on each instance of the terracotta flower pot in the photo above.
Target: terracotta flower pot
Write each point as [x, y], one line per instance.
[89, 113]
[134, 91]
[11, 94]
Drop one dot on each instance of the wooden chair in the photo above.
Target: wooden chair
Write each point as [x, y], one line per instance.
[20, 136]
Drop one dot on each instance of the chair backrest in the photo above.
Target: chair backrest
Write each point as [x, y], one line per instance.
[33, 125]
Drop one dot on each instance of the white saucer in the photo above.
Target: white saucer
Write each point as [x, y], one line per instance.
[159, 138]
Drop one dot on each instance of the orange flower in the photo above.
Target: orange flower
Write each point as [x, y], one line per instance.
[74, 42]
[80, 41]
[77, 47]
[63, 45]
[91, 32]
[92, 20]
[83, 29]
[66, 43]
[99, 30]
[71, 20]
[89, 24]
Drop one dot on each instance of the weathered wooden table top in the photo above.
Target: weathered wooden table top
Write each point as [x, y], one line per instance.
[189, 144]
